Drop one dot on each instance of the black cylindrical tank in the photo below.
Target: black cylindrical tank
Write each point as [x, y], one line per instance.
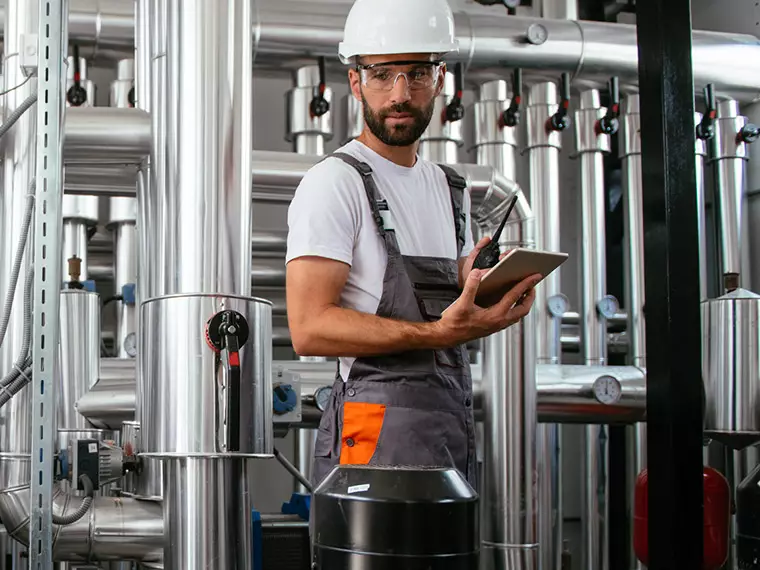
[378, 518]
[748, 522]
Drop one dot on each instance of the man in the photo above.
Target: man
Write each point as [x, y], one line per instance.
[380, 256]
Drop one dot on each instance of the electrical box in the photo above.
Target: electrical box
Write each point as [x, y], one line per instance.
[286, 396]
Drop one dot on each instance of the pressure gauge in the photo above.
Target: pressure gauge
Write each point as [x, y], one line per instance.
[322, 397]
[130, 344]
[557, 305]
[608, 306]
[607, 390]
[537, 34]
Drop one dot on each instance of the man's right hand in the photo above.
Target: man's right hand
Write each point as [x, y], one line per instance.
[464, 321]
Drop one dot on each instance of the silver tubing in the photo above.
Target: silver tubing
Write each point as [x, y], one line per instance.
[753, 200]
[730, 154]
[441, 140]
[307, 133]
[543, 148]
[590, 145]
[106, 134]
[123, 225]
[495, 146]
[700, 154]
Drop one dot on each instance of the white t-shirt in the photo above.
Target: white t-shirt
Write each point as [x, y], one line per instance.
[330, 217]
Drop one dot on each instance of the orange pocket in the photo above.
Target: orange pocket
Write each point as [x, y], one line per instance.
[362, 423]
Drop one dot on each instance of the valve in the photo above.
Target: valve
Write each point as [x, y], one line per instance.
[609, 124]
[454, 111]
[511, 116]
[285, 399]
[319, 105]
[559, 121]
[131, 97]
[748, 134]
[705, 128]
[76, 95]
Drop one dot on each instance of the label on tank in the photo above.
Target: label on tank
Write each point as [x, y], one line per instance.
[358, 488]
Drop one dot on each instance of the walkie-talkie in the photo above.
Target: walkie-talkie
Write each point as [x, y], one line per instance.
[489, 255]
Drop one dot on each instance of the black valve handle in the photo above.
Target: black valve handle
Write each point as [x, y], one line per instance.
[609, 124]
[131, 97]
[511, 115]
[319, 105]
[560, 121]
[748, 134]
[454, 111]
[489, 255]
[705, 128]
[226, 333]
[76, 95]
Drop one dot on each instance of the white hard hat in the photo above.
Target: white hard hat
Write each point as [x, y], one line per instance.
[384, 27]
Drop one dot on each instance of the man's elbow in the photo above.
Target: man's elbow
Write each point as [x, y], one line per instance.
[303, 341]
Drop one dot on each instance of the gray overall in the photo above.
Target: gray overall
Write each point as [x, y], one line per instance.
[412, 408]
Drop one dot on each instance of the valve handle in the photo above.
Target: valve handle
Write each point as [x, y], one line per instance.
[609, 124]
[511, 116]
[454, 111]
[320, 106]
[705, 128]
[559, 121]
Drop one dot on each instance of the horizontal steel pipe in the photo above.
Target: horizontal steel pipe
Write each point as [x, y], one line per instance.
[100, 180]
[565, 393]
[97, 135]
[265, 243]
[113, 529]
[261, 275]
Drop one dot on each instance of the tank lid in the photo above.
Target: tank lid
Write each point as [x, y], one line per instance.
[736, 295]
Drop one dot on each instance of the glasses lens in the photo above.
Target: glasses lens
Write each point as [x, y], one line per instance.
[384, 77]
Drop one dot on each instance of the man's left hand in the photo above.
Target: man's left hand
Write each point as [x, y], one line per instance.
[469, 261]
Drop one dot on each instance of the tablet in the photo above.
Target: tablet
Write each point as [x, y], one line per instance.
[518, 264]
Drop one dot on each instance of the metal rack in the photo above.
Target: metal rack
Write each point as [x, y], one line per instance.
[53, 40]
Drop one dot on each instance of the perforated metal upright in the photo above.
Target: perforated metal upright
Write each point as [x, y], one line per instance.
[52, 44]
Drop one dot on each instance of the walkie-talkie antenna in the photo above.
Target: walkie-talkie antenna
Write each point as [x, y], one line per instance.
[497, 233]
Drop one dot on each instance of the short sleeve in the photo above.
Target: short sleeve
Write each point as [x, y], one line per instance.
[324, 215]
[469, 243]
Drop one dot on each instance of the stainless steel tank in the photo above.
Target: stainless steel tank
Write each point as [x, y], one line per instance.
[730, 371]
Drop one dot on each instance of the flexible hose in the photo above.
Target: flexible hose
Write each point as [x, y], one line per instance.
[71, 518]
[24, 359]
[11, 294]
[16, 383]
[17, 114]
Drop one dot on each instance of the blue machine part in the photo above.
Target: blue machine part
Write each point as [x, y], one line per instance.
[89, 285]
[258, 541]
[128, 294]
[299, 504]
[284, 399]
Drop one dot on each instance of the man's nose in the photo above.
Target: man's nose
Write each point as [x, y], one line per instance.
[400, 92]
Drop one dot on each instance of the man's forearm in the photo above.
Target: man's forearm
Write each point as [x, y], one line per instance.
[337, 331]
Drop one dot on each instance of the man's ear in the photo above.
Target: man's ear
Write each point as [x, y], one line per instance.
[354, 81]
[441, 80]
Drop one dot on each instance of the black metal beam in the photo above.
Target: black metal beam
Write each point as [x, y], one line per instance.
[674, 386]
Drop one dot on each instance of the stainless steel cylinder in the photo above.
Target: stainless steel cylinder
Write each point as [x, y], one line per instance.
[124, 83]
[730, 368]
[122, 223]
[307, 132]
[79, 367]
[590, 144]
[496, 145]
[354, 117]
[86, 84]
[753, 199]
[80, 214]
[188, 405]
[441, 140]
[543, 147]
[207, 513]
[730, 153]
[130, 443]
[700, 153]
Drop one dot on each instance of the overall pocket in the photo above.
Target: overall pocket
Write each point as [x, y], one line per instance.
[433, 299]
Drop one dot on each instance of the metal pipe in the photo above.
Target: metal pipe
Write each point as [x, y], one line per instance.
[561, 9]
[591, 51]
[730, 154]
[543, 147]
[105, 134]
[591, 143]
[565, 393]
[80, 215]
[495, 146]
[753, 199]
[441, 140]
[307, 132]
[122, 221]
[113, 529]
[633, 204]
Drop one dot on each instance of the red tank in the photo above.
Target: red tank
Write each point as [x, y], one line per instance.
[717, 517]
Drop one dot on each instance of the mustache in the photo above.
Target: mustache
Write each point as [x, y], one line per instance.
[401, 108]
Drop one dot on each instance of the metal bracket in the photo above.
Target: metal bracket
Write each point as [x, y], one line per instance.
[53, 41]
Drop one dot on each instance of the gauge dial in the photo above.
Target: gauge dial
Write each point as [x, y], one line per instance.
[608, 306]
[130, 344]
[537, 34]
[607, 390]
[322, 397]
[557, 305]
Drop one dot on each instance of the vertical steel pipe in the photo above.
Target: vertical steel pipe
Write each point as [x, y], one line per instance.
[509, 401]
[80, 215]
[198, 214]
[700, 154]
[730, 154]
[543, 148]
[591, 144]
[753, 200]
[307, 132]
[441, 140]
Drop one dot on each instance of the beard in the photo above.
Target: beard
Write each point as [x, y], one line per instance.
[398, 135]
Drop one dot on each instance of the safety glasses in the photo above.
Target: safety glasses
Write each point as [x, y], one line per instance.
[383, 76]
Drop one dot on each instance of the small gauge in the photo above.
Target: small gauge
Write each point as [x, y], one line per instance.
[557, 305]
[537, 34]
[130, 344]
[607, 390]
[608, 306]
[322, 397]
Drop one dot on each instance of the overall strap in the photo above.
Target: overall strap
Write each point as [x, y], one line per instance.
[365, 171]
[457, 186]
